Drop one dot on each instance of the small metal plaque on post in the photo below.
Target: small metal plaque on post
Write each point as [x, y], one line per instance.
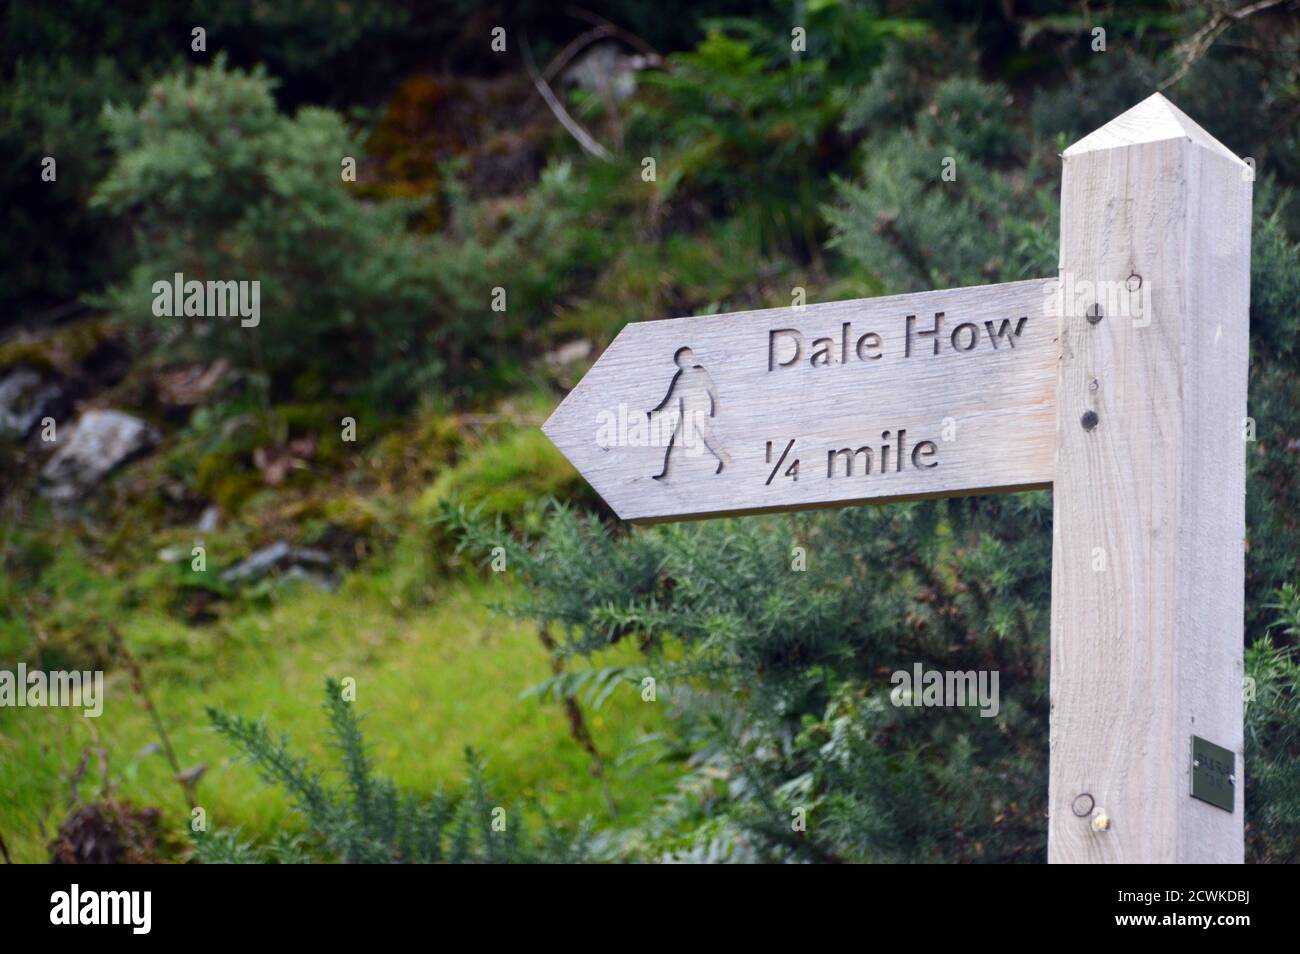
[1214, 774]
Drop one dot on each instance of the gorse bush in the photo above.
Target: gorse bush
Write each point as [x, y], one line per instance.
[903, 222]
[901, 227]
[744, 125]
[1273, 737]
[221, 186]
[789, 670]
[499, 275]
[51, 110]
[783, 678]
[365, 818]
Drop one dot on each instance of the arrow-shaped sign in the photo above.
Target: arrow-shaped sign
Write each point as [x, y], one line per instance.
[902, 397]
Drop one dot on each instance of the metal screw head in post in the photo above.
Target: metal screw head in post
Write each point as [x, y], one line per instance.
[1089, 420]
[1094, 313]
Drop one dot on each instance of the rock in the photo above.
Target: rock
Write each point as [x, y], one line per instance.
[296, 574]
[210, 519]
[173, 554]
[282, 558]
[101, 441]
[25, 397]
[567, 354]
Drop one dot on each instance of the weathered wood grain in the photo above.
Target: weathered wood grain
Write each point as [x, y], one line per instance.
[1148, 542]
[989, 411]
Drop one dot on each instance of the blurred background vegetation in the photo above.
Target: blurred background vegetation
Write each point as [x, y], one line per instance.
[365, 555]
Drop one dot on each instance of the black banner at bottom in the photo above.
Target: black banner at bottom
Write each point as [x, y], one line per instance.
[298, 903]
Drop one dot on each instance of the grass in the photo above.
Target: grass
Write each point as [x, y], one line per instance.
[430, 680]
[505, 478]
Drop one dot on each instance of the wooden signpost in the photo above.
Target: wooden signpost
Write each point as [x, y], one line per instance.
[896, 398]
[1120, 383]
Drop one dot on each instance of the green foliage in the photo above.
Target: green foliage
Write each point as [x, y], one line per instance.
[904, 220]
[744, 125]
[791, 669]
[60, 63]
[546, 244]
[221, 186]
[732, 112]
[1274, 278]
[366, 819]
[506, 479]
[782, 678]
[1273, 493]
[1273, 739]
[51, 109]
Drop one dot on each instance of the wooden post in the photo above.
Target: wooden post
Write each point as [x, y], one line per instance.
[1147, 435]
[1149, 491]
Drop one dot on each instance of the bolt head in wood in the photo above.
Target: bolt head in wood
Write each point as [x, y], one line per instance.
[1089, 420]
[1094, 313]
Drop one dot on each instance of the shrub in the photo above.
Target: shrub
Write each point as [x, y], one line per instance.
[904, 223]
[51, 109]
[536, 251]
[221, 186]
[1273, 738]
[783, 679]
[784, 676]
[366, 819]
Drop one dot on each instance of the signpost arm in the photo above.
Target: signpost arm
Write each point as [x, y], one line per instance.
[1149, 492]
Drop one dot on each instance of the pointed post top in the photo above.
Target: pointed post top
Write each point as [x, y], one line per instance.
[1152, 120]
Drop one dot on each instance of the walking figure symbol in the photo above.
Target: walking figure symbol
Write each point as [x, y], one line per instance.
[696, 400]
